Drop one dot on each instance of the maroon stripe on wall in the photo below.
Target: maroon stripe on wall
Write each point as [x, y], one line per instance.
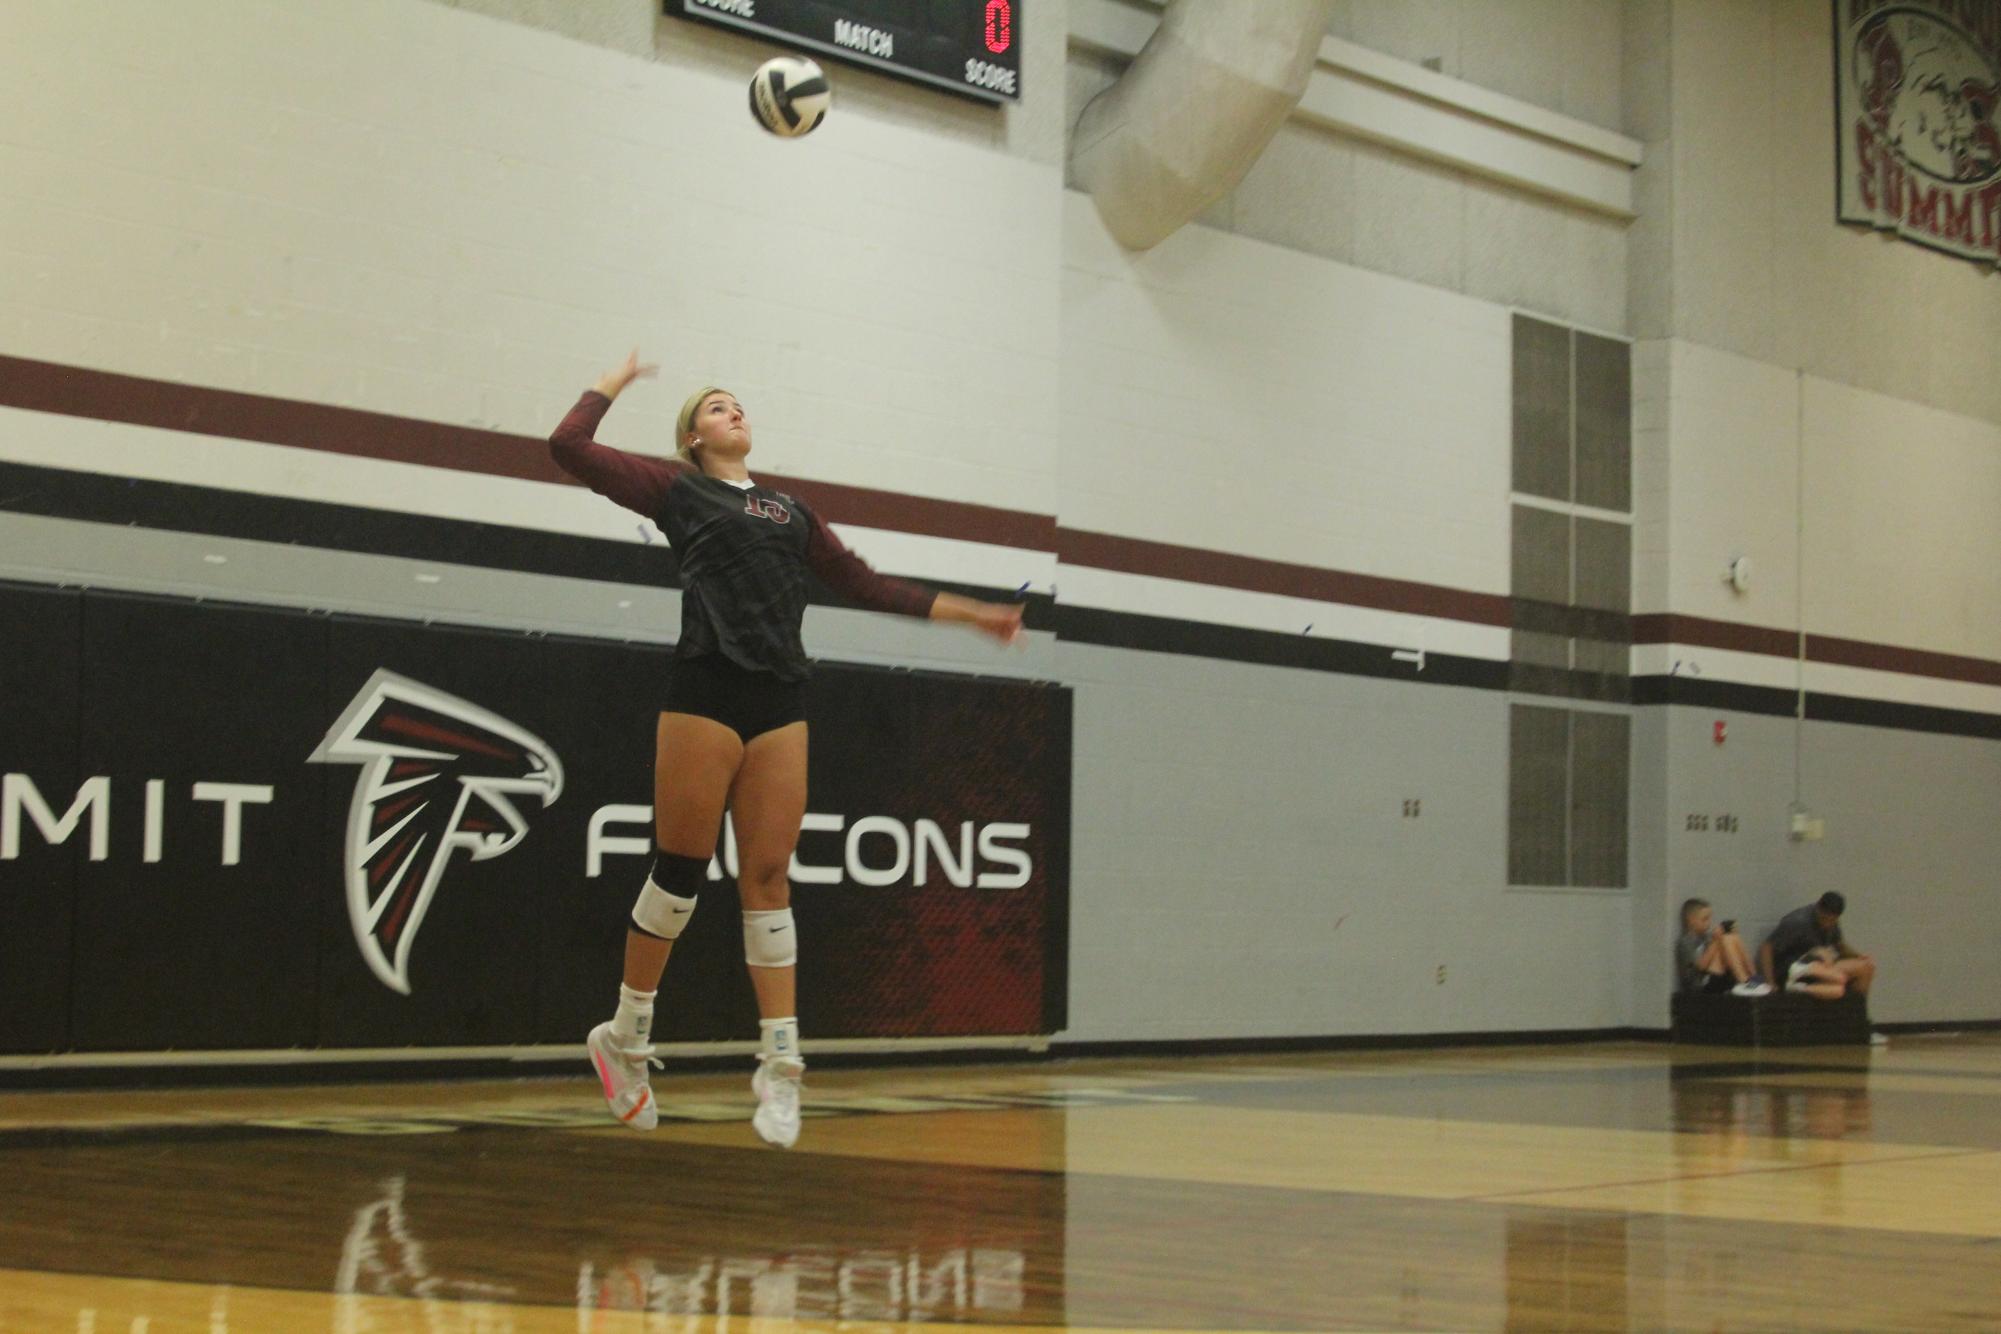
[1132, 555]
[1672, 628]
[1909, 661]
[76, 391]
[923, 515]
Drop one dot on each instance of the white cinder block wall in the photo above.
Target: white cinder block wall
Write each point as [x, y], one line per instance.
[1242, 397]
[1384, 209]
[1809, 360]
[1822, 400]
[403, 207]
[1242, 864]
[462, 217]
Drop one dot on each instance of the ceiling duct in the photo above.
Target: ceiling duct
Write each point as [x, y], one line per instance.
[1192, 112]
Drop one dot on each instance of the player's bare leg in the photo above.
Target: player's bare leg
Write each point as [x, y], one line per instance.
[695, 760]
[767, 803]
[1820, 981]
[1860, 970]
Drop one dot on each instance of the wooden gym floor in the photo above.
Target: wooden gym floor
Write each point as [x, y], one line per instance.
[1604, 1187]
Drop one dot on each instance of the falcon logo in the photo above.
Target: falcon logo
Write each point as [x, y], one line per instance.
[438, 773]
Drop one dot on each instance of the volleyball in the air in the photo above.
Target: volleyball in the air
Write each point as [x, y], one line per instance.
[789, 96]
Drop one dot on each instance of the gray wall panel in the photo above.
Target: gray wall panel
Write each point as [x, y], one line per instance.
[1243, 864]
[1604, 565]
[1600, 760]
[1540, 566]
[1604, 422]
[1537, 795]
[1541, 408]
[1914, 841]
[1913, 837]
[1602, 657]
[1649, 974]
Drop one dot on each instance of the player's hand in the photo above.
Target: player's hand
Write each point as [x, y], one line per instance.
[999, 621]
[614, 381]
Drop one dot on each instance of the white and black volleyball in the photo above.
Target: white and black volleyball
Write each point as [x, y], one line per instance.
[789, 96]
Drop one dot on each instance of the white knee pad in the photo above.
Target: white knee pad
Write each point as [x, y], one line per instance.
[661, 914]
[769, 940]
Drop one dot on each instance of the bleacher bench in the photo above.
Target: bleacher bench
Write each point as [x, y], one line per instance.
[1781, 1019]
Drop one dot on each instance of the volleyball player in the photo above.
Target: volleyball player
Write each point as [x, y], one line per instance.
[732, 726]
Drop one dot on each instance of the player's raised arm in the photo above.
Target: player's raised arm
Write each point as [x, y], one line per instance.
[633, 480]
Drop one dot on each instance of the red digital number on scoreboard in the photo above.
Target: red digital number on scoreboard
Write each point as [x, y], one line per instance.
[1000, 25]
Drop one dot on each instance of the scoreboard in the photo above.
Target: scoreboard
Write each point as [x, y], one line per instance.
[970, 47]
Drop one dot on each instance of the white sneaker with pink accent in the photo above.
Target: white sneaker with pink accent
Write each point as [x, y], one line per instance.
[776, 1085]
[627, 1086]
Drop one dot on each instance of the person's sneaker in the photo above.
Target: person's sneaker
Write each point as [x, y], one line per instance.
[776, 1085]
[1879, 1039]
[627, 1089]
[1750, 989]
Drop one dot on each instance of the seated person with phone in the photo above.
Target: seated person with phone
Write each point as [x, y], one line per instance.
[1709, 958]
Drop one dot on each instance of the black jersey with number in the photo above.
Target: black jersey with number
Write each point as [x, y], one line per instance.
[744, 554]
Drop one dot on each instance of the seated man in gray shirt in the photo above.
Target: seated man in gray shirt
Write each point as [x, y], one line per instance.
[1807, 950]
[1708, 958]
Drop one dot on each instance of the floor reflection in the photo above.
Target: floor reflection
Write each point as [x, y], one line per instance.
[1656, 1192]
[956, 1284]
[383, 1256]
[1814, 1105]
[484, 1221]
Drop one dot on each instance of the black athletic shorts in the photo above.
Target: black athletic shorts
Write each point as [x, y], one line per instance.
[749, 703]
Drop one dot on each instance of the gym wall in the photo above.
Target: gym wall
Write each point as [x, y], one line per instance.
[1820, 399]
[1280, 828]
[1402, 208]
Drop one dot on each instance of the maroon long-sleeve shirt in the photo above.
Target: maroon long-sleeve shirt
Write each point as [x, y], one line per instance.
[744, 553]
